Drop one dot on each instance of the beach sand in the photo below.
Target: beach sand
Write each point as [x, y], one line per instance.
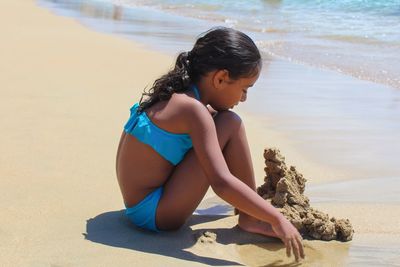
[65, 93]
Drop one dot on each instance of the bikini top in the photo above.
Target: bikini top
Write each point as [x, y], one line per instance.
[171, 146]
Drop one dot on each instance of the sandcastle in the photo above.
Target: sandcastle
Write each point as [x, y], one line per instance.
[284, 188]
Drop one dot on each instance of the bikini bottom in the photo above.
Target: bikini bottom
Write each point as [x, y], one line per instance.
[143, 214]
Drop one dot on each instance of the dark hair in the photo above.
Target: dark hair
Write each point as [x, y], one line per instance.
[218, 48]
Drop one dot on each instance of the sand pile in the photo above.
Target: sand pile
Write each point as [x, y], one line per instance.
[206, 237]
[284, 188]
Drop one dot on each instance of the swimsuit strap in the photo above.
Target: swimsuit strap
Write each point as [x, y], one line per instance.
[196, 92]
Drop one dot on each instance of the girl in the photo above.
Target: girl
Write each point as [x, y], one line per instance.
[162, 179]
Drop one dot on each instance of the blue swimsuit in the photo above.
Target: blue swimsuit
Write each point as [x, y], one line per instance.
[170, 146]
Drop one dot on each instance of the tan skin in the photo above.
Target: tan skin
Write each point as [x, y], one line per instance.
[228, 170]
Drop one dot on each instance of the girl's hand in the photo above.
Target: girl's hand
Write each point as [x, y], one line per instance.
[290, 237]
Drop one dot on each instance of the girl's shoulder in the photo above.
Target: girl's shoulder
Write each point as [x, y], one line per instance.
[190, 104]
[177, 114]
[188, 109]
[183, 103]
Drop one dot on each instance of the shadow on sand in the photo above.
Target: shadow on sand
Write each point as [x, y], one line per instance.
[114, 229]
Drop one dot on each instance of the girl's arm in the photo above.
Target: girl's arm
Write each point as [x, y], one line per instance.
[204, 138]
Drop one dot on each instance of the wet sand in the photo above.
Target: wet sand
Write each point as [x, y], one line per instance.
[65, 94]
[352, 123]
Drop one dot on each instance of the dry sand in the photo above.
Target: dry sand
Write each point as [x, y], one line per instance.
[65, 93]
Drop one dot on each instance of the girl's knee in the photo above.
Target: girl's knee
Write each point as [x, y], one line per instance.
[229, 125]
[229, 118]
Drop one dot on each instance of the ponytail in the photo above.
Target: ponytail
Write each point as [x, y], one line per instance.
[176, 80]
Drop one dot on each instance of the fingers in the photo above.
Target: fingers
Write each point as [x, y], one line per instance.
[300, 242]
[295, 249]
[296, 245]
[288, 247]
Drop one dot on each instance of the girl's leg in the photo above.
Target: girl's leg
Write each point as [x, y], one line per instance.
[188, 184]
[237, 156]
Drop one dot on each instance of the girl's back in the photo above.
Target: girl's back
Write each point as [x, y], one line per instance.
[140, 169]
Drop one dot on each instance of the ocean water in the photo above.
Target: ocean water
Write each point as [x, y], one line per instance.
[357, 37]
[331, 78]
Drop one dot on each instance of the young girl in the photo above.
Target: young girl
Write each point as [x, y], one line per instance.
[162, 179]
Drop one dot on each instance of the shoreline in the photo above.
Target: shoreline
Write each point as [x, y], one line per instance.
[278, 39]
[63, 88]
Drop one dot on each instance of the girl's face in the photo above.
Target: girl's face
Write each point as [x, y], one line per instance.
[233, 91]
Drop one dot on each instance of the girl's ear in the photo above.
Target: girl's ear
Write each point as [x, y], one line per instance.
[221, 78]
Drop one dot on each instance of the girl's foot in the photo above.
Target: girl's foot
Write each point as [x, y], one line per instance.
[253, 225]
